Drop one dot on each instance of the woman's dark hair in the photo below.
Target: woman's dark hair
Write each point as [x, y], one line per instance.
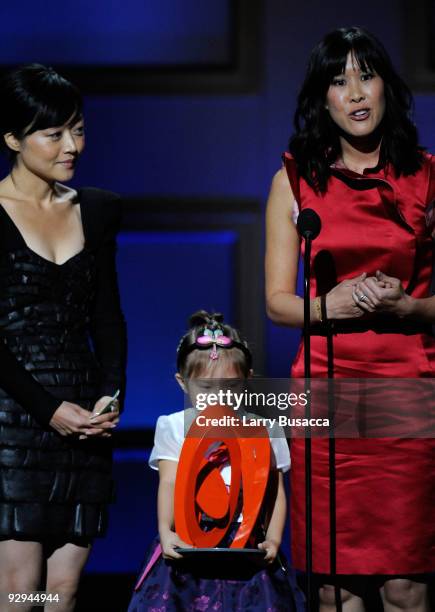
[193, 360]
[315, 143]
[33, 98]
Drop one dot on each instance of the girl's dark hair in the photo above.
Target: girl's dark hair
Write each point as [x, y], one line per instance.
[193, 360]
[315, 143]
[35, 97]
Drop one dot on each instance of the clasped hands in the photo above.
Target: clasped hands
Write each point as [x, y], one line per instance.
[71, 418]
[380, 293]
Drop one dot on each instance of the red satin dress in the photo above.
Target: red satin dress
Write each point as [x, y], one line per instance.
[385, 487]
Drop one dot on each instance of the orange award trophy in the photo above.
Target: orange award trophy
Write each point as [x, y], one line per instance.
[210, 515]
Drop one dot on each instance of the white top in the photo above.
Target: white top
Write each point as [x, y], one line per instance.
[169, 438]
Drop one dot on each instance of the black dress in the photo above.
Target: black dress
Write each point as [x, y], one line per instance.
[62, 338]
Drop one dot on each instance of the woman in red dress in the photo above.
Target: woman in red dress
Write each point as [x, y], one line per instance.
[355, 160]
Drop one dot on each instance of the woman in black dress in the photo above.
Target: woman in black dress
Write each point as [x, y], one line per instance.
[62, 341]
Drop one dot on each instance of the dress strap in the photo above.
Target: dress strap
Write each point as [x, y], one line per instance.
[152, 561]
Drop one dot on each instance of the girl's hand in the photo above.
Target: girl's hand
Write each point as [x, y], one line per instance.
[169, 540]
[382, 294]
[70, 419]
[340, 303]
[271, 547]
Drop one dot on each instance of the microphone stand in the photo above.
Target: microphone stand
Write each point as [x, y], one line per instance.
[308, 449]
[308, 460]
[332, 467]
[309, 226]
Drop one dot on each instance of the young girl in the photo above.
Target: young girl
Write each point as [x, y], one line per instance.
[166, 582]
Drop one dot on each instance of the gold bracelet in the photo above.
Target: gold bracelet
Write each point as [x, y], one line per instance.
[323, 308]
[318, 308]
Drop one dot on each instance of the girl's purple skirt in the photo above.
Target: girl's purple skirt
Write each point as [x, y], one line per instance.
[243, 587]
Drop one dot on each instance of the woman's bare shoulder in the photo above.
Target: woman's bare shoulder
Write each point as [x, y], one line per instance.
[281, 181]
[281, 195]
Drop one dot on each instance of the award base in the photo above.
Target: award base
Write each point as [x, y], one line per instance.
[226, 555]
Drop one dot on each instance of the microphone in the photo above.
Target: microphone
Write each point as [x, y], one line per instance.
[309, 224]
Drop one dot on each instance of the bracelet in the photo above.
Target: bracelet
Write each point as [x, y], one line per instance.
[323, 308]
[318, 308]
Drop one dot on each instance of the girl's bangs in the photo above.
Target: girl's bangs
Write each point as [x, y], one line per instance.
[198, 362]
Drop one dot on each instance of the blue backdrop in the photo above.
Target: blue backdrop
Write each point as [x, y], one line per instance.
[106, 32]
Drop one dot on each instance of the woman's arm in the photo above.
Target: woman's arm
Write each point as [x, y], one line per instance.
[282, 257]
[422, 309]
[275, 529]
[108, 328]
[165, 510]
[65, 417]
[24, 389]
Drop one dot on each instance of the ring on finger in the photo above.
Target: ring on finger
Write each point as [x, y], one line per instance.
[362, 297]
